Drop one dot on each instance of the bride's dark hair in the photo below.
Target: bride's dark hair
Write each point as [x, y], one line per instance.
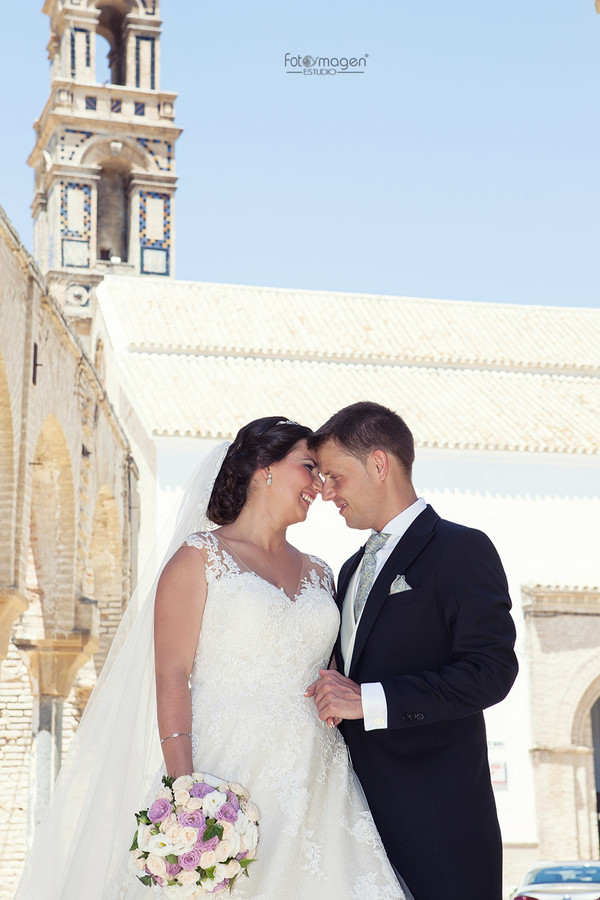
[260, 443]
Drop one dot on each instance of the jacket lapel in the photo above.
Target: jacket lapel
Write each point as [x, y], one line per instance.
[408, 548]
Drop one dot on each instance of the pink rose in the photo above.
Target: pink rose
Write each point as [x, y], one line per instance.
[160, 810]
[194, 818]
[205, 846]
[190, 859]
[227, 813]
[233, 800]
[173, 869]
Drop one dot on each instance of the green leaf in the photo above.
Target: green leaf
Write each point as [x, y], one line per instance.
[168, 780]
[244, 863]
[210, 873]
[231, 883]
[146, 879]
[134, 845]
[212, 830]
[172, 858]
[142, 817]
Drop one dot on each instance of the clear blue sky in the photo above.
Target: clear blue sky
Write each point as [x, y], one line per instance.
[462, 164]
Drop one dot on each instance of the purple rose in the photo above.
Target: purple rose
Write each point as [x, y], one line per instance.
[233, 800]
[220, 886]
[190, 859]
[227, 813]
[242, 855]
[203, 846]
[200, 789]
[159, 811]
[195, 818]
[173, 868]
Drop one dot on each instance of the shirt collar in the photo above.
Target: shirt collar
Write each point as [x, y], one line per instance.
[400, 523]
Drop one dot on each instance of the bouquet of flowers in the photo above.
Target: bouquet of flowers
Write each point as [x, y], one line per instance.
[196, 837]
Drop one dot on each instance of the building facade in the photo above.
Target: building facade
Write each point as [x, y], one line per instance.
[68, 534]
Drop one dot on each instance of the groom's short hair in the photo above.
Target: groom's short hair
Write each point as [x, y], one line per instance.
[364, 427]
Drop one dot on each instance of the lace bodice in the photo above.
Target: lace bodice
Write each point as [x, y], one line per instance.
[252, 631]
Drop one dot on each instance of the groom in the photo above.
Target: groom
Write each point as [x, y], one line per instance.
[426, 643]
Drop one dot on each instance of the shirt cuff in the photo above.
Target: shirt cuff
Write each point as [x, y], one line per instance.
[374, 705]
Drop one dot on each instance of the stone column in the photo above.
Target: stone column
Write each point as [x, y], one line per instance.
[52, 664]
[566, 800]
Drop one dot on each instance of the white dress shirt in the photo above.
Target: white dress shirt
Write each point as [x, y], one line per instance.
[372, 694]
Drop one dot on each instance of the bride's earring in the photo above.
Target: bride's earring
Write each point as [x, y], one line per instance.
[269, 479]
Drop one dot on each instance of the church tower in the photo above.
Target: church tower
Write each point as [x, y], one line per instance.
[104, 156]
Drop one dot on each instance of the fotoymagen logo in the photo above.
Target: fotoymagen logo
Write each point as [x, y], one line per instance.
[324, 65]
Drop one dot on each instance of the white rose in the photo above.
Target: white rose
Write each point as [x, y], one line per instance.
[181, 796]
[236, 843]
[241, 823]
[183, 783]
[193, 803]
[138, 859]
[223, 851]
[208, 859]
[198, 777]
[233, 867]
[239, 790]
[190, 877]
[228, 830]
[251, 836]
[166, 823]
[188, 835]
[165, 793]
[157, 865]
[173, 832]
[213, 802]
[252, 812]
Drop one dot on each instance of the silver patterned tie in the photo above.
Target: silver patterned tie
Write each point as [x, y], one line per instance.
[367, 570]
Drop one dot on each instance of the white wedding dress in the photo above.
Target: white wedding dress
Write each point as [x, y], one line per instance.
[257, 653]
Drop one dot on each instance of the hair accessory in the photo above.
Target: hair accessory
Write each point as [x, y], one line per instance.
[176, 734]
[269, 479]
[287, 422]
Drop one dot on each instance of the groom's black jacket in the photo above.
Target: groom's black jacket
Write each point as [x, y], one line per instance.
[443, 652]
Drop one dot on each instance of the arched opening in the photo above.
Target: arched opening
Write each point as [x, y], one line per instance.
[52, 533]
[106, 570]
[7, 482]
[111, 28]
[113, 209]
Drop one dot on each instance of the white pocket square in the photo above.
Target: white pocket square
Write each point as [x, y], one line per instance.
[399, 584]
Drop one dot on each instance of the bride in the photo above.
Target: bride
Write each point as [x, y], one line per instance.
[242, 623]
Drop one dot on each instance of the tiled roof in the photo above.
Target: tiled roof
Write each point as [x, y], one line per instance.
[201, 360]
[160, 314]
[214, 396]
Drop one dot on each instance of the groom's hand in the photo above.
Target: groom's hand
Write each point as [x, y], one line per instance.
[336, 696]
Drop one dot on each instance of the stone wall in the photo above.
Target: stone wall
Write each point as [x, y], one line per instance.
[66, 477]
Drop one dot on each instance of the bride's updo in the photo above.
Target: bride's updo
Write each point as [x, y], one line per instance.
[258, 444]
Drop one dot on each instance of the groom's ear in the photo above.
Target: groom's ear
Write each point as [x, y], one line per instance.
[378, 463]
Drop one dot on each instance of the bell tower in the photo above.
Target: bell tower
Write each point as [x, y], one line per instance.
[104, 157]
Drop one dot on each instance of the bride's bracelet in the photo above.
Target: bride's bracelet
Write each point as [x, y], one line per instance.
[175, 735]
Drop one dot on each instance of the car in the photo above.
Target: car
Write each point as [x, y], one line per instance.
[578, 880]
